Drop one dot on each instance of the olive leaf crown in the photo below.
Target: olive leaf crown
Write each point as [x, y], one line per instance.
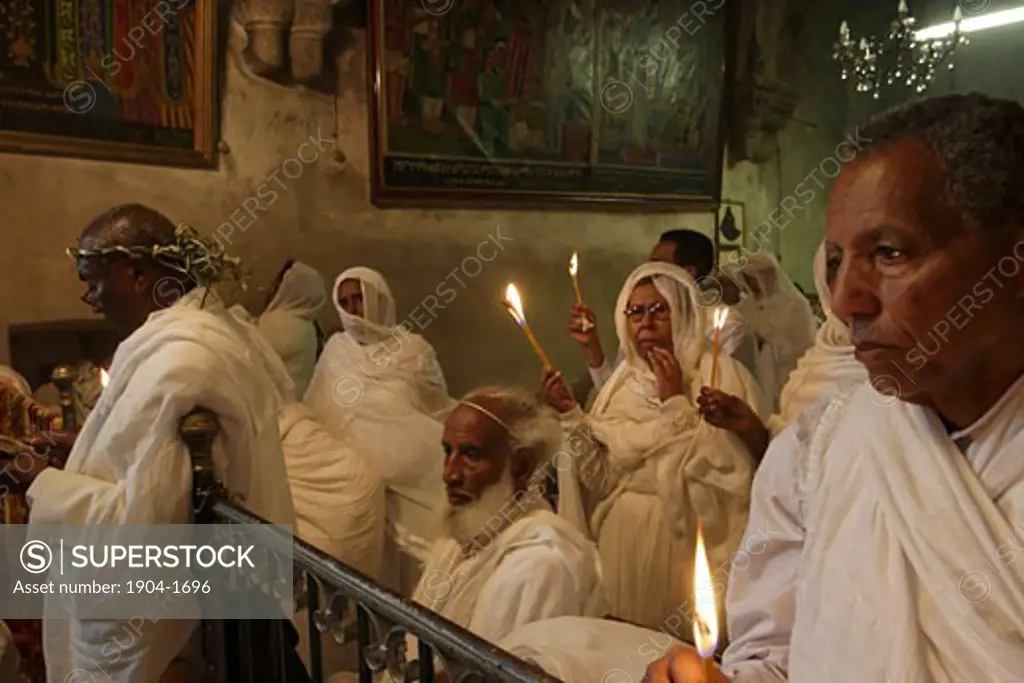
[202, 260]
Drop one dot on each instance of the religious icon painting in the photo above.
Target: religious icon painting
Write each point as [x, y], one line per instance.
[126, 80]
[522, 103]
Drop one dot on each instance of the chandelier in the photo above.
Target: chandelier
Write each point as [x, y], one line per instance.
[900, 56]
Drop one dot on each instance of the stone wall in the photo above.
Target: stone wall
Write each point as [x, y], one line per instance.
[316, 208]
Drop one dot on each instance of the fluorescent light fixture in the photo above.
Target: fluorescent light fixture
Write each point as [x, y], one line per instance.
[972, 24]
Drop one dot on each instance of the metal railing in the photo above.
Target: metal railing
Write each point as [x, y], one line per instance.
[339, 600]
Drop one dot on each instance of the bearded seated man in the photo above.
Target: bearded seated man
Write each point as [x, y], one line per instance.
[505, 559]
[895, 511]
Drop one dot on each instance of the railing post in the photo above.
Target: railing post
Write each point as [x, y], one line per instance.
[199, 430]
[63, 378]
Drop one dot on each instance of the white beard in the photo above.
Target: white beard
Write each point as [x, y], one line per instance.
[484, 516]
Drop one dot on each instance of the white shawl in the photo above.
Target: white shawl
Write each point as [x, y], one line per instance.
[780, 315]
[587, 650]
[828, 368]
[379, 388]
[288, 323]
[701, 471]
[890, 488]
[539, 567]
[129, 466]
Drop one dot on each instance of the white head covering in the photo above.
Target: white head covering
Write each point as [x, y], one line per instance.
[828, 368]
[378, 321]
[782, 314]
[688, 320]
[288, 324]
[301, 293]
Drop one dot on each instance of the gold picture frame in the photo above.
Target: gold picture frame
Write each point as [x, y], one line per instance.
[123, 80]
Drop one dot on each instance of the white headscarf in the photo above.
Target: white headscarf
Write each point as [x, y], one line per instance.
[829, 367]
[378, 320]
[781, 313]
[288, 324]
[391, 351]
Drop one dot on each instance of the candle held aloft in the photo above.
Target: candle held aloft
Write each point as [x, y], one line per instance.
[574, 270]
[514, 305]
[104, 378]
[719, 316]
[705, 619]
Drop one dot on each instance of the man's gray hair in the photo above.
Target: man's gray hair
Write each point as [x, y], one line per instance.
[530, 424]
[979, 143]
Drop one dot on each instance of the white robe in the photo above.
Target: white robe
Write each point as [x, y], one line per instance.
[641, 463]
[780, 316]
[537, 568]
[891, 549]
[827, 369]
[129, 466]
[588, 650]
[380, 389]
[289, 322]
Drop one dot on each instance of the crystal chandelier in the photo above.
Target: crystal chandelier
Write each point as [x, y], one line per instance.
[897, 57]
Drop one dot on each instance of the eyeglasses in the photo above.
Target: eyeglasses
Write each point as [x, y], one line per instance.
[658, 311]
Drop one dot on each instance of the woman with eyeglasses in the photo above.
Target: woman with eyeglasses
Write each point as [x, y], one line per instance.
[642, 469]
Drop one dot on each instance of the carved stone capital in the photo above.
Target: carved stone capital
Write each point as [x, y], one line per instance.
[761, 108]
[306, 45]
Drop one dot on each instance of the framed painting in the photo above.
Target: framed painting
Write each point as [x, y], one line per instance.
[504, 102]
[124, 80]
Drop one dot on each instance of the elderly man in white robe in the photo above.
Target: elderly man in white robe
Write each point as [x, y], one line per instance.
[379, 388]
[695, 253]
[826, 370]
[288, 322]
[645, 468]
[896, 511]
[505, 558]
[181, 350]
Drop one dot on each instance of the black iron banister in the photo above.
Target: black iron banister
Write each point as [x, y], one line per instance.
[469, 653]
[449, 638]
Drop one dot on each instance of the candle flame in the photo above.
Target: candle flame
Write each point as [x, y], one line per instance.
[720, 315]
[705, 621]
[514, 305]
[104, 378]
[574, 264]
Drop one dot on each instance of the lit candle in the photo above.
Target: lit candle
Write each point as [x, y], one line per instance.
[104, 378]
[574, 269]
[705, 619]
[720, 314]
[515, 308]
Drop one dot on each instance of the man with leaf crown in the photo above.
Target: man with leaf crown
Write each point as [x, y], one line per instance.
[181, 349]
